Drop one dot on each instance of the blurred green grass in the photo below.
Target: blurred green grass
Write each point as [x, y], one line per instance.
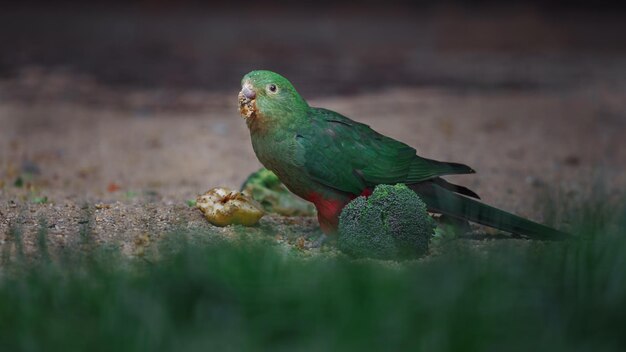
[197, 292]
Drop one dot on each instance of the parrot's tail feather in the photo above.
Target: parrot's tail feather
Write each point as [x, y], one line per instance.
[446, 168]
[455, 188]
[446, 202]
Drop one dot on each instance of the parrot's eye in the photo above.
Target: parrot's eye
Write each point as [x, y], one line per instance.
[272, 88]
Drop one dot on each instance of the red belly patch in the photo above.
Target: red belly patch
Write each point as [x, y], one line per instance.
[328, 210]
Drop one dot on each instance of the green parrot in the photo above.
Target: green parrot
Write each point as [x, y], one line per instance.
[329, 159]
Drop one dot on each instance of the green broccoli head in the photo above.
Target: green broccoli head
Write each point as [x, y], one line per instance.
[391, 223]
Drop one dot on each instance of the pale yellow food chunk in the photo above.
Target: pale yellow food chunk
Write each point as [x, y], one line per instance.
[222, 206]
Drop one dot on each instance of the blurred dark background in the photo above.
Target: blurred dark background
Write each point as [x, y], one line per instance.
[325, 47]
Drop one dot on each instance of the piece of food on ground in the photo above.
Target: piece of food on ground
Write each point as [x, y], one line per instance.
[223, 206]
[265, 187]
[392, 223]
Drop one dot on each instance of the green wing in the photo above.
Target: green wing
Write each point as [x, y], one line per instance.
[350, 156]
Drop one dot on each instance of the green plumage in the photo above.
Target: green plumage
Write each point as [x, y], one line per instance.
[443, 201]
[329, 159]
[350, 156]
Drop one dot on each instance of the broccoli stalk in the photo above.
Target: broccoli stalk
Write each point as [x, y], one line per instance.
[392, 223]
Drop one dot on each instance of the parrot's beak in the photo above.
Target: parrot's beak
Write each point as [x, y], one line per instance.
[247, 104]
[248, 91]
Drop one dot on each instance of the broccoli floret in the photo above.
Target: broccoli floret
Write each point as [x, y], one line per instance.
[391, 223]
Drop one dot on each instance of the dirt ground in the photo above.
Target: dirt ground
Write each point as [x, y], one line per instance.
[76, 149]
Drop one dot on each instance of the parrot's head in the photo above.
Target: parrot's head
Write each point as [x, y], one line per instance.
[267, 97]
